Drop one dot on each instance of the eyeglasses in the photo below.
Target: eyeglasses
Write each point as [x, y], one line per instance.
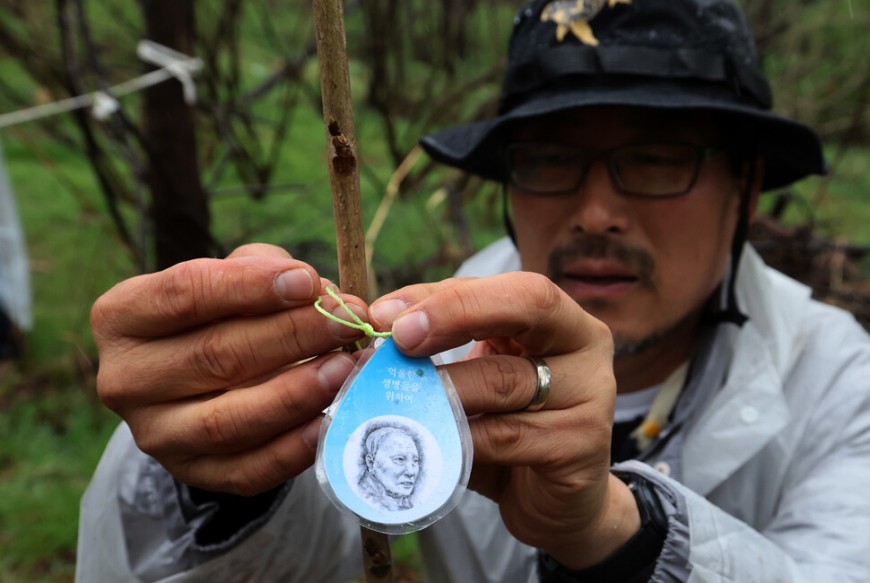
[648, 170]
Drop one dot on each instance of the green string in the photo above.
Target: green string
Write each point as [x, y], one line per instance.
[357, 324]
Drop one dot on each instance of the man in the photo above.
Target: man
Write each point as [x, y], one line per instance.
[633, 165]
[391, 457]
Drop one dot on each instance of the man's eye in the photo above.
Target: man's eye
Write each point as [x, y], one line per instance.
[661, 157]
[670, 160]
[552, 159]
[541, 154]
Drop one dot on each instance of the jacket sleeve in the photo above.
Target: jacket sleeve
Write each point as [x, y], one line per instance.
[133, 527]
[821, 528]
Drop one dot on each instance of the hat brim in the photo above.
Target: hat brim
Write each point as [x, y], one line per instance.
[791, 150]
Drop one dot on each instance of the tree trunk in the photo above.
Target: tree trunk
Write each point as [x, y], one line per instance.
[179, 208]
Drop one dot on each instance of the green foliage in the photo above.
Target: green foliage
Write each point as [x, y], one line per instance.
[836, 205]
[814, 53]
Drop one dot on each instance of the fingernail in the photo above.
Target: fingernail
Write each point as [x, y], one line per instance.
[311, 432]
[295, 284]
[343, 331]
[333, 372]
[411, 330]
[385, 312]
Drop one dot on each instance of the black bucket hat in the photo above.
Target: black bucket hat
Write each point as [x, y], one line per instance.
[664, 54]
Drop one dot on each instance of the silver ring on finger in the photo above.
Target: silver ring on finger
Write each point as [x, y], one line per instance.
[542, 387]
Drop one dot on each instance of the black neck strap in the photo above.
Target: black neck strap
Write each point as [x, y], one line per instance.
[732, 313]
[506, 214]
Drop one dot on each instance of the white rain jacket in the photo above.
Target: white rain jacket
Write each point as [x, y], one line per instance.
[774, 464]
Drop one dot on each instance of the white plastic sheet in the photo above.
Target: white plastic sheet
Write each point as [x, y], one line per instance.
[15, 297]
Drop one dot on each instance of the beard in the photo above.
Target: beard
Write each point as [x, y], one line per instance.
[626, 347]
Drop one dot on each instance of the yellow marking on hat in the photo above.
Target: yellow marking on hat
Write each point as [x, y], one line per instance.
[574, 15]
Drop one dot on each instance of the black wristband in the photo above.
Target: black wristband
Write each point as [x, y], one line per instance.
[633, 562]
[226, 519]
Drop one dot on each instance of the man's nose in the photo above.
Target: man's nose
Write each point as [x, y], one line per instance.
[600, 208]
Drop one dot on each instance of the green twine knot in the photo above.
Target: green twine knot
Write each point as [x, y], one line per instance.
[357, 324]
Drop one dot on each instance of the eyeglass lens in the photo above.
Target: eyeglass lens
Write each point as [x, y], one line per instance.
[646, 170]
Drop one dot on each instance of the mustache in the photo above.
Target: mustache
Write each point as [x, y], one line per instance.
[637, 260]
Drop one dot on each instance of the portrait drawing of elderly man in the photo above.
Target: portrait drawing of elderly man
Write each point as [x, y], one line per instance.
[391, 458]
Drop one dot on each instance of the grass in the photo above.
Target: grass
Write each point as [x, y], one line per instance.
[51, 433]
[51, 427]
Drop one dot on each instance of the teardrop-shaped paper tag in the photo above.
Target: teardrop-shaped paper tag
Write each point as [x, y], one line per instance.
[395, 449]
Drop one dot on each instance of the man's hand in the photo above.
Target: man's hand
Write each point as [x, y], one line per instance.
[548, 470]
[222, 367]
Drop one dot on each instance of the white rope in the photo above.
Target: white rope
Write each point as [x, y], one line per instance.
[174, 65]
[104, 106]
[179, 65]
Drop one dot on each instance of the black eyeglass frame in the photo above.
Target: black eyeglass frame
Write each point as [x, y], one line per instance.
[703, 153]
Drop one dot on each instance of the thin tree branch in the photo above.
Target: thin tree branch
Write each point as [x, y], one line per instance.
[99, 163]
[118, 124]
[347, 206]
